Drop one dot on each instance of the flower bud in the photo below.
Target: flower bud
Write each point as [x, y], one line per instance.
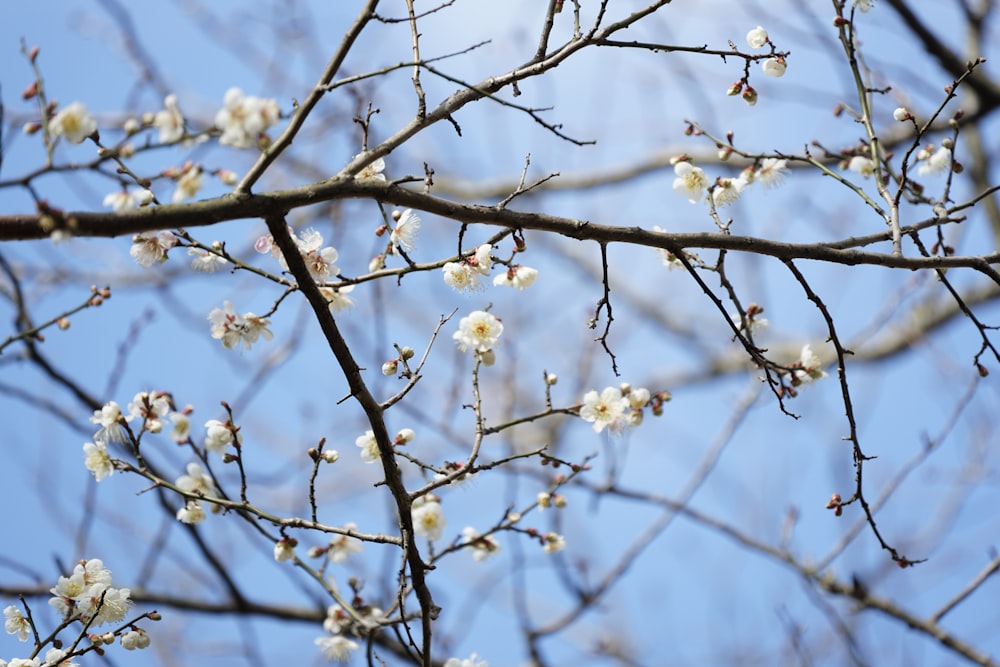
[750, 96]
[901, 114]
[735, 89]
[330, 456]
[488, 358]
[406, 352]
[390, 367]
[551, 379]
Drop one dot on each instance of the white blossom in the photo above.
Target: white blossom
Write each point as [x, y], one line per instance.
[478, 331]
[337, 297]
[774, 67]
[862, 165]
[16, 623]
[110, 419]
[150, 248]
[369, 447]
[205, 261]
[136, 638]
[342, 546]
[771, 171]
[936, 162]
[233, 329]
[373, 170]
[151, 407]
[428, 519]
[472, 661]
[460, 276]
[727, 190]
[218, 435]
[757, 37]
[404, 236]
[169, 121]
[336, 648]
[809, 365]
[244, 119]
[188, 185]
[605, 409]
[516, 276]
[691, 181]
[124, 200]
[483, 546]
[197, 480]
[97, 460]
[553, 542]
[73, 122]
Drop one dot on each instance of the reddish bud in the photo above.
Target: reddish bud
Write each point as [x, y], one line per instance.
[983, 371]
[839, 21]
[30, 91]
[33, 54]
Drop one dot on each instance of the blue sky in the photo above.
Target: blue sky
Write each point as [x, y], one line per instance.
[693, 597]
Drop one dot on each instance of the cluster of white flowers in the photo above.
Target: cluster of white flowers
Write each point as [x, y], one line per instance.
[152, 409]
[863, 5]
[466, 274]
[335, 646]
[244, 119]
[319, 260]
[73, 122]
[517, 276]
[479, 332]
[693, 183]
[428, 519]
[615, 408]
[933, 161]
[483, 546]
[233, 329]
[773, 66]
[199, 482]
[87, 595]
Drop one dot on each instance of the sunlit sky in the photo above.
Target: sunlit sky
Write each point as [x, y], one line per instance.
[693, 597]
